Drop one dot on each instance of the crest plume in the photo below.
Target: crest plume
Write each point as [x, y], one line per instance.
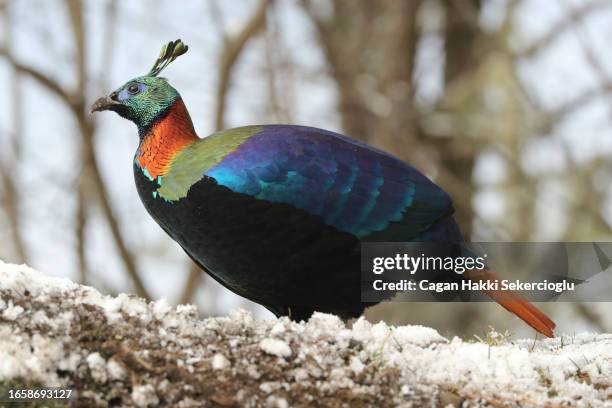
[169, 53]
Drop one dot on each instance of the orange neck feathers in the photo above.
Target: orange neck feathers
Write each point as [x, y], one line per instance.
[166, 138]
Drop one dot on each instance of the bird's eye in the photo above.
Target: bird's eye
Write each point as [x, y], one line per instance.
[133, 89]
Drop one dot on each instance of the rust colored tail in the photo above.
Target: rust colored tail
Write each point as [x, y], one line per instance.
[514, 303]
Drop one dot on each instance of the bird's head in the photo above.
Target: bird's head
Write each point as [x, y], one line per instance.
[145, 98]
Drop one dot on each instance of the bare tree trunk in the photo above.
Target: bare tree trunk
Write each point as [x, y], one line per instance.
[460, 47]
[370, 47]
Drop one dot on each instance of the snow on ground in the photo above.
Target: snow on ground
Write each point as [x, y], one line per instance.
[122, 351]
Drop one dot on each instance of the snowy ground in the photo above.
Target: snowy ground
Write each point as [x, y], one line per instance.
[121, 351]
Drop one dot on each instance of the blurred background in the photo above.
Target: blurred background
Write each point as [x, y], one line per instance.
[507, 104]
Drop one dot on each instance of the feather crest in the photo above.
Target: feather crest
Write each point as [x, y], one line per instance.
[169, 53]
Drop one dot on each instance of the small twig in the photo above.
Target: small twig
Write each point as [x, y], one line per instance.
[278, 106]
[232, 50]
[590, 54]
[194, 278]
[561, 26]
[592, 317]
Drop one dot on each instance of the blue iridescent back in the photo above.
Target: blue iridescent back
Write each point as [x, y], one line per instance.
[353, 187]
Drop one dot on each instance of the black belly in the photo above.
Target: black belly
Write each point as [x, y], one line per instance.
[274, 254]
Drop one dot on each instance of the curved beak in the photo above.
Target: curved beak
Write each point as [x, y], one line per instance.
[105, 103]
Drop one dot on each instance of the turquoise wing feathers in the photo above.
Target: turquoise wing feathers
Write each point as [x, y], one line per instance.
[351, 186]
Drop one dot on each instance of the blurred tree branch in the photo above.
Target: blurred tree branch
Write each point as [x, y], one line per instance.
[277, 67]
[47, 82]
[554, 32]
[74, 8]
[8, 175]
[589, 54]
[232, 48]
[91, 168]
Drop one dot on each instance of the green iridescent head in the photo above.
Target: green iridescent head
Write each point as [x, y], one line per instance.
[143, 99]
